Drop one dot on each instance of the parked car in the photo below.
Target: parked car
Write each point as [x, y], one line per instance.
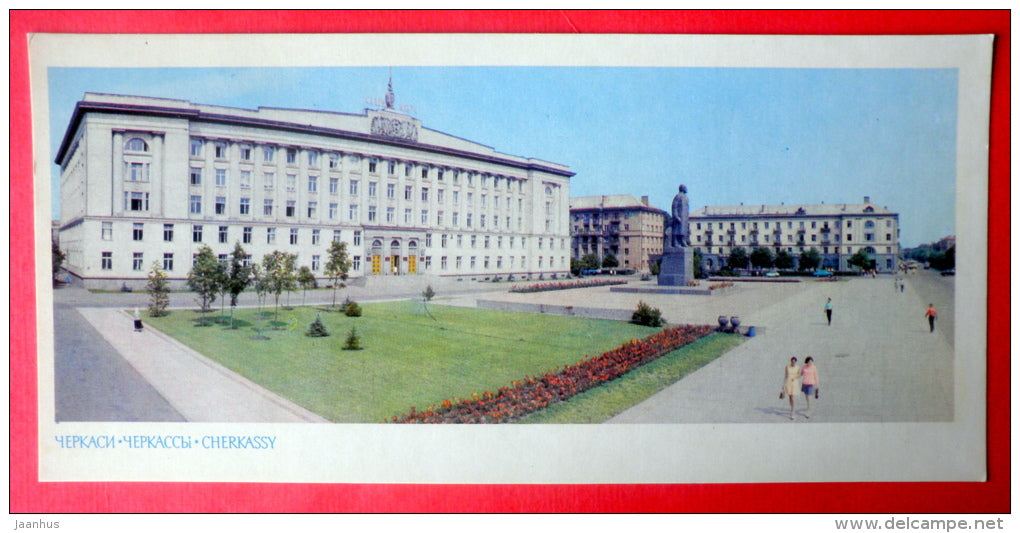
[950, 272]
[822, 274]
[772, 274]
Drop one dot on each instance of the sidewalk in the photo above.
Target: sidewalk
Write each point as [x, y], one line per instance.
[198, 388]
[877, 363]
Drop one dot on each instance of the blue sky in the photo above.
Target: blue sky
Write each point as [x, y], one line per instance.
[732, 135]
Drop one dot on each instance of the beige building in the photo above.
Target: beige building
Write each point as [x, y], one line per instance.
[153, 179]
[836, 231]
[618, 225]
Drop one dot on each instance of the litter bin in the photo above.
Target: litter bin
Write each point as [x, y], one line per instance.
[750, 331]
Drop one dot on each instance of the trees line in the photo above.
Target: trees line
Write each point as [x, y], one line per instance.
[211, 278]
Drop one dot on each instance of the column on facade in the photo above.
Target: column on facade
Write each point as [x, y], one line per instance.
[117, 174]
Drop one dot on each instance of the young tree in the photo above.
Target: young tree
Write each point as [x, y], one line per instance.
[426, 297]
[306, 280]
[610, 261]
[159, 291]
[58, 258]
[278, 272]
[259, 281]
[810, 259]
[860, 259]
[783, 261]
[761, 257]
[238, 276]
[206, 277]
[698, 263]
[337, 266]
[737, 258]
[590, 262]
[290, 275]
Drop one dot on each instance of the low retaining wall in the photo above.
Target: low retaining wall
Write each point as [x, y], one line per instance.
[564, 310]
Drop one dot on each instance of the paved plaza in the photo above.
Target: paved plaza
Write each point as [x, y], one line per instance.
[877, 361]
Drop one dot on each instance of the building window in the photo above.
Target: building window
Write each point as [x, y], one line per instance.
[221, 177]
[221, 205]
[196, 233]
[442, 262]
[313, 158]
[293, 235]
[315, 262]
[221, 150]
[352, 212]
[245, 152]
[408, 190]
[168, 261]
[313, 183]
[168, 232]
[268, 152]
[424, 194]
[136, 201]
[106, 262]
[456, 218]
[195, 176]
[469, 220]
[107, 231]
[458, 262]
[334, 185]
[245, 206]
[439, 218]
[267, 207]
[357, 238]
[291, 155]
[424, 217]
[372, 165]
[353, 189]
[312, 206]
[196, 147]
[246, 235]
[223, 234]
[371, 213]
[291, 182]
[407, 216]
[245, 179]
[391, 190]
[315, 236]
[474, 241]
[332, 211]
[137, 231]
[390, 215]
[270, 235]
[336, 235]
[334, 161]
[356, 263]
[269, 179]
[391, 167]
[425, 173]
[291, 208]
[136, 261]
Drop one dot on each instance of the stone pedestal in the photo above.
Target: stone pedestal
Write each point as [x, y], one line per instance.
[677, 267]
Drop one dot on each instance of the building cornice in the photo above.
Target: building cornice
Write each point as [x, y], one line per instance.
[84, 107]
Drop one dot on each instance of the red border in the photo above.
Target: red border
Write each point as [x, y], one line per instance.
[28, 495]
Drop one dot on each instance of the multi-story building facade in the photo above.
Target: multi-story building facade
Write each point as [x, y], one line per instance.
[617, 224]
[152, 179]
[836, 231]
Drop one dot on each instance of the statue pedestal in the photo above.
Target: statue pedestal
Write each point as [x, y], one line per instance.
[677, 267]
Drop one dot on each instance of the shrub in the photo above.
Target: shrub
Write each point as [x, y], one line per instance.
[646, 315]
[316, 329]
[352, 309]
[353, 342]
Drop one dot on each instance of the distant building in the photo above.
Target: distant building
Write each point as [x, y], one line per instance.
[944, 243]
[836, 231]
[148, 180]
[617, 224]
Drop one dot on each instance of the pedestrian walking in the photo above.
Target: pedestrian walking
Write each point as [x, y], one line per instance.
[828, 310]
[790, 376]
[932, 315]
[809, 382]
[138, 321]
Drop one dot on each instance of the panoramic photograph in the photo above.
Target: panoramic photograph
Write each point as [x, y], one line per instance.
[503, 245]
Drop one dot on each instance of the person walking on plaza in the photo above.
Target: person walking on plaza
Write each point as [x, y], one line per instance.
[809, 382]
[790, 376]
[932, 315]
[828, 310]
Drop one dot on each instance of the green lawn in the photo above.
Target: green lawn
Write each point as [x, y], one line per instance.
[409, 359]
[606, 401]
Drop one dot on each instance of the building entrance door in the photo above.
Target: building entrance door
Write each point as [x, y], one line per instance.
[377, 264]
[412, 264]
[394, 264]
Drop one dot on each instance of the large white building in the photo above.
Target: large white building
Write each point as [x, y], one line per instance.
[835, 231]
[151, 179]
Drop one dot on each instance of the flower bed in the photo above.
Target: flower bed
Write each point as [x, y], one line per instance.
[563, 285]
[531, 394]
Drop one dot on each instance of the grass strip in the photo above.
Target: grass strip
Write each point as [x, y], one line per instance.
[606, 401]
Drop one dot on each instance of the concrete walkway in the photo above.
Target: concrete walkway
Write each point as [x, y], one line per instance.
[877, 363]
[198, 388]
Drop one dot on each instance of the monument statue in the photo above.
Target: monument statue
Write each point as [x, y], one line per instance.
[680, 227]
[676, 266]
